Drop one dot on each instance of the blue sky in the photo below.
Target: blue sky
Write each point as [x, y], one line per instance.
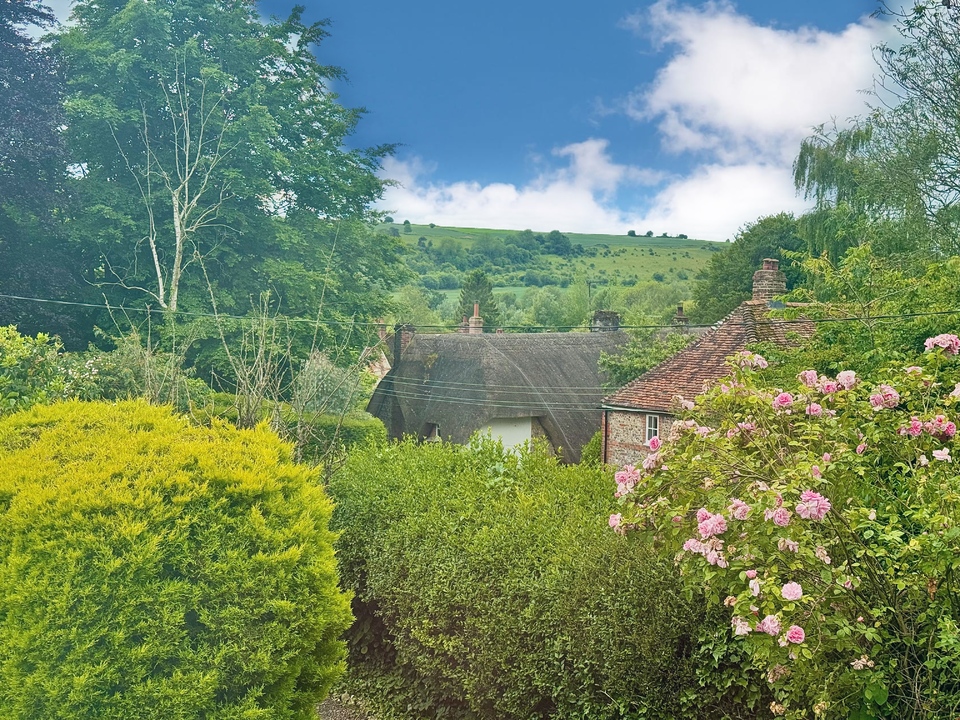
[668, 116]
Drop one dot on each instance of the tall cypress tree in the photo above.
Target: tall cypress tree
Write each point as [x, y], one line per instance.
[477, 288]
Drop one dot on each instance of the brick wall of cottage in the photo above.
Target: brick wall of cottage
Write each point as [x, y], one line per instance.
[625, 436]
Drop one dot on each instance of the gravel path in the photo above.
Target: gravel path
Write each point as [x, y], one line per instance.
[342, 707]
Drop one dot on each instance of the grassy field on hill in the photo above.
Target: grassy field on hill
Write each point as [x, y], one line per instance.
[544, 279]
[605, 258]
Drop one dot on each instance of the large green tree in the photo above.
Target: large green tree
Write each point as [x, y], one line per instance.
[30, 112]
[477, 288]
[891, 179]
[728, 278]
[209, 148]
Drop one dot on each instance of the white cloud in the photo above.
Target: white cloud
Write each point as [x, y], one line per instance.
[736, 96]
[741, 90]
[575, 198]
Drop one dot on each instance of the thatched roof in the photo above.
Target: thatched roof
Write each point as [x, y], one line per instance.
[460, 382]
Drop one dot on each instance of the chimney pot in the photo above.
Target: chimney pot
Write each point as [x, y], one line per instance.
[476, 322]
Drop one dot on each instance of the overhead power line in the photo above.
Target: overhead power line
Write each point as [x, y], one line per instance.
[532, 329]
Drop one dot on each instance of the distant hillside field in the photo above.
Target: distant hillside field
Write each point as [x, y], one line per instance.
[615, 259]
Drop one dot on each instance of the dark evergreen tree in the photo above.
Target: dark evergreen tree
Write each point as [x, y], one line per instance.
[477, 288]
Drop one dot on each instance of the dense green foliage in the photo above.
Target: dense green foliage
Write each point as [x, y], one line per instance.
[151, 569]
[728, 278]
[28, 370]
[646, 349]
[488, 585]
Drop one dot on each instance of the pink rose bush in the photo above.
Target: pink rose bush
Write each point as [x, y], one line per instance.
[778, 501]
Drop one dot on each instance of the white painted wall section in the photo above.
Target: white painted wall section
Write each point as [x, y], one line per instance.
[511, 431]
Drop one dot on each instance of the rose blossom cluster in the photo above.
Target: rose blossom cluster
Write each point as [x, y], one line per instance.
[812, 505]
[949, 343]
[940, 427]
[846, 379]
[712, 550]
[885, 397]
[627, 479]
[746, 359]
[709, 524]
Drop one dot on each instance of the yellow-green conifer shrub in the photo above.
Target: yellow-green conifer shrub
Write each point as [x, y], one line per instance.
[152, 569]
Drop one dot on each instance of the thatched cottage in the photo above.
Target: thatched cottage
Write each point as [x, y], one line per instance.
[514, 386]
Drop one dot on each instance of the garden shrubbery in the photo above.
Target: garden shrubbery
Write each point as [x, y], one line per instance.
[824, 516]
[154, 569]
[488, 585]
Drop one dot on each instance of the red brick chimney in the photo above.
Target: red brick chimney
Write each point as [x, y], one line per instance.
[769, 282]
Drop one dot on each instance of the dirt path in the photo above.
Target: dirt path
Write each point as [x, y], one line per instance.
[342, 707]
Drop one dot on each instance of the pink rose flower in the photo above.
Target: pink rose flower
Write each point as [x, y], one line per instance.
[949, 343]
[814, 410]
[812, 506]
[861, 448]
[712, 525]
[754, 587]
[740, 626]
[913, 370]
[827, 457]
[769, 625]
[782, 400]
[702, 514]
[815, 471]
[791, 591]
[654, 444]
[955, 393]
[787, 545]
[781, 517]
[847, 379]
[808, 378]
[751, 574]
[914, 429]
[924, 461]
[886, 397]
[828, 386]
[940, 427]
[943, 455]
[795, 634]
[738, 509]
[615, 520]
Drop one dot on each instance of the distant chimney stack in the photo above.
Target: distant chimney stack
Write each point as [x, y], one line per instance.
[680, 318]
[769, 281]
[605, 321]
[464, 326]
[402, 335]
[475, 322]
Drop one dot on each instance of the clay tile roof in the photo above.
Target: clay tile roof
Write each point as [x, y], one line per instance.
[702, 363]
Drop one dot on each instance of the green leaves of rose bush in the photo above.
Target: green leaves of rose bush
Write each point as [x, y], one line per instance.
[880, 618]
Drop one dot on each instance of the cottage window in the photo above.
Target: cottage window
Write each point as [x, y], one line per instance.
[653, 427]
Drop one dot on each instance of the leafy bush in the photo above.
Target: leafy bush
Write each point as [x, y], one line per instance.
[151, 569]
[29, 373]
[489, 586]
[827, 519]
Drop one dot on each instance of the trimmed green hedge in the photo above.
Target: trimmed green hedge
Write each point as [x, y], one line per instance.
[151, 569]
[318, 434]
[489, 585]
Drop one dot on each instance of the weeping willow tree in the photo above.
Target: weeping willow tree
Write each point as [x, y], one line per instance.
[893, 177]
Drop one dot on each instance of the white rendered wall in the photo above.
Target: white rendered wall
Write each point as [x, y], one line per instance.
[510, 431]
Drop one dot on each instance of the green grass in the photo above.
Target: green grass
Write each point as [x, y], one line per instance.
[619, 257]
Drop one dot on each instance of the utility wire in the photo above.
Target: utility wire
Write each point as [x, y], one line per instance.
[530, 329]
